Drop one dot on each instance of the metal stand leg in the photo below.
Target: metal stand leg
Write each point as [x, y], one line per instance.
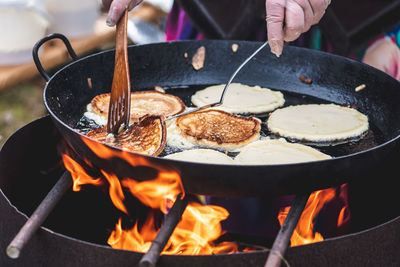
[171, 221]
[39, 215]
[285, 233]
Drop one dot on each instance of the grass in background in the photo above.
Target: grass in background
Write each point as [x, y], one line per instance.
[19, 106]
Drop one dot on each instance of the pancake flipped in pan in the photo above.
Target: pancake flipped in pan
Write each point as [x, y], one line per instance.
[334, 79]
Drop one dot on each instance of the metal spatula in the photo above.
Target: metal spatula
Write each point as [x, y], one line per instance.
[119, 109]
[221, 100]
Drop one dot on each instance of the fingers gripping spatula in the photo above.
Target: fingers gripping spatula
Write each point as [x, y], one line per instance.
[119, 109]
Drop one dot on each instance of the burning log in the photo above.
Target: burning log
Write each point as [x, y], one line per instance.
[39, 215]
[282, 240]
[171, 221]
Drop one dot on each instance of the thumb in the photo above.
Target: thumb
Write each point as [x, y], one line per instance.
[118, 7]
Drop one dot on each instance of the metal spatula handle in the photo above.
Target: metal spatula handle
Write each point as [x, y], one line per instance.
[221, 100]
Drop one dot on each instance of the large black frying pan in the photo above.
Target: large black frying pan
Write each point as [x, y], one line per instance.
[334, 79]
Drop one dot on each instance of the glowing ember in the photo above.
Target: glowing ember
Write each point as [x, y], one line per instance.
[195, 233]
[305, 232]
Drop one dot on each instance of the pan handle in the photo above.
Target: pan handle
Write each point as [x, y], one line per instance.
[35, 51]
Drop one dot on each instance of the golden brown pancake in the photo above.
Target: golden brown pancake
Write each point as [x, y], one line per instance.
[218, 129]
[318, 122]
[147, 136]
[142, 103]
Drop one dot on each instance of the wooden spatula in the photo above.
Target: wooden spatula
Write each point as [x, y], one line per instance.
[119, 109]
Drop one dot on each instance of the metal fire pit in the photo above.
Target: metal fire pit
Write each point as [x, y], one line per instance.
[75, 232]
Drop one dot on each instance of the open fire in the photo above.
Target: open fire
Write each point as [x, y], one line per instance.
[196, 232]
[200, 225]
[305, 232]
[83, 224]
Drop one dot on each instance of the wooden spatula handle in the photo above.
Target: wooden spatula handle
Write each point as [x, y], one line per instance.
[119, 109]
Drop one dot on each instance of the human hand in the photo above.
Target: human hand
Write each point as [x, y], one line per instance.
[287, 19]
[116, 8]
[385, 56]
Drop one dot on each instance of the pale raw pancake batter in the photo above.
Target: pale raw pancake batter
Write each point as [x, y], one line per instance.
[202, 156]
[271, 152]
[318, 122]
[240, 98]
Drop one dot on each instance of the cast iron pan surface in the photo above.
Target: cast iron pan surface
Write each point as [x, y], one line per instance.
[334, 79]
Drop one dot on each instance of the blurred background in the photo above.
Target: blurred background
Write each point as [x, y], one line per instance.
[24, 22]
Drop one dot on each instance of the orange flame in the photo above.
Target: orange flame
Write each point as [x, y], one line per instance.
[115, 191]
[200, 225]
[344, 215]
[194, 234]
[304, 232]
[133, 239]
[79, 176]
[158, 193]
